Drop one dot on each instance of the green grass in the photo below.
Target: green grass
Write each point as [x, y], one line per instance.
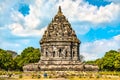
[71, 75]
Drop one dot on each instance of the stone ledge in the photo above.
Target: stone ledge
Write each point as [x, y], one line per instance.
[63, 67]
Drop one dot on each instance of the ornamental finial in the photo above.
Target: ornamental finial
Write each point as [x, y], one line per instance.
[59, 10]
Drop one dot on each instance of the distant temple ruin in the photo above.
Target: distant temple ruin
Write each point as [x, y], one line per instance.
[59, 47]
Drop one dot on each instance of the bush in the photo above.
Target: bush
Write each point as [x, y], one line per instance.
[20, 76]
[33, 76]
[9, 75]
[38, 76]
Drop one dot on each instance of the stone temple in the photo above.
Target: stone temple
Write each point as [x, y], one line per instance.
[59, 41]
[59, 47]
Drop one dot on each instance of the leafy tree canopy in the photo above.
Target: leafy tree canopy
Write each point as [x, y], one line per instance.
[28, 55]
[110, 61]
[5, 60]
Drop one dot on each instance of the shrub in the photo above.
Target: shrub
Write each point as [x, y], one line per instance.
[33, 75]
[10, 74]
[20, 76]
[38, 76]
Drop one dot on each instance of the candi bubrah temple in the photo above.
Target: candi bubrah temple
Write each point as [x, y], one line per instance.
[59, 48]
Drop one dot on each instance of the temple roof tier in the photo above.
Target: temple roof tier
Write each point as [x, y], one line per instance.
[59, 30]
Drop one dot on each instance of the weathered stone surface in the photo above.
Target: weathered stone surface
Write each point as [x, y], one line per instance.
[91, 67]
[59, 47]
[59, 41]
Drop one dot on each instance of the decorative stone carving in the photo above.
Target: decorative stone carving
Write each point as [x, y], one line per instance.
[59, 47]
[60, 40]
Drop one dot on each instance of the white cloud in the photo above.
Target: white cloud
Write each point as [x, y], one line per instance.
[33, 19]
[18, 29]
[83, 11]
[8, 45]
[115, 1]
[16, 45]
[117, 38]
[41, 11]
[82, 28]
[28, 25]
[96, 49]
[103, 14]
[85, 16]
[89, 16]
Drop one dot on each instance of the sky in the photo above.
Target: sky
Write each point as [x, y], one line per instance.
[96, 23]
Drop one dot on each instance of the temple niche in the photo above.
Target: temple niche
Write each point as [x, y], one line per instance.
[59, 41]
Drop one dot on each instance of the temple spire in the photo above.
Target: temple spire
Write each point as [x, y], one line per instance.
[59, 11]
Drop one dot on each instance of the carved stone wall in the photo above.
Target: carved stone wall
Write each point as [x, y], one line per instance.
[59, 48]
[59, 41]
[60, 51]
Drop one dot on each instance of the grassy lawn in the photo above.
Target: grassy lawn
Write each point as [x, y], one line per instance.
[59, 75]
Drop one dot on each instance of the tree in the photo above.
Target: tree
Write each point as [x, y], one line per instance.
[81, 58]
[90, 62]
[117, 62]
[28, 55]
[110, 61]
[99, 62]
[5, 60]
[14, 54]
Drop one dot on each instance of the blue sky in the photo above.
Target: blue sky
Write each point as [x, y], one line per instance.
[96, 23]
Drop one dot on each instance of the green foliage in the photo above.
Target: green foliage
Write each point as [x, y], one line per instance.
[5, 60]
[117, 62]
[28, 55]
[90, 62]
[110, 62]
[38, 76]
[99, 62]
[20, 76]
